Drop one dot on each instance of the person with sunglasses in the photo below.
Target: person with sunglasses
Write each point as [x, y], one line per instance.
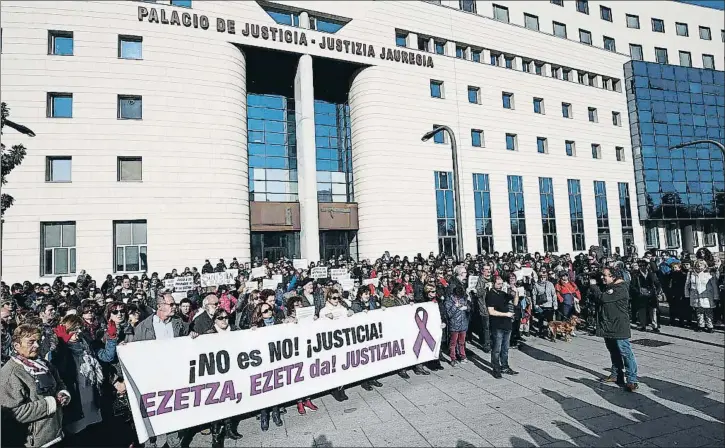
[335, 308]
[264, 316]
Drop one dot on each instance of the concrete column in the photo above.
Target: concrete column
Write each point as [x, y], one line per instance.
[306, 159]
[688, 239]
[486, 56]
[431, 45]
[546, 70]
[304, 20]
[518, 63]
[467, 54]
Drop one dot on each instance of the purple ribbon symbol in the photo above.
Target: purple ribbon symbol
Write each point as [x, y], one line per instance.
[423, 333]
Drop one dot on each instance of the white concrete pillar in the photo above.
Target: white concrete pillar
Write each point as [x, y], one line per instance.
[307, 159]
[304, 20]
[518, 63]
[412, 41]
[468, 54]
[431, 45]
[546, 71]
[486, 56]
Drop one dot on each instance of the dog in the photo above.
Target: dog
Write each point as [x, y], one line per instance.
[563, 328]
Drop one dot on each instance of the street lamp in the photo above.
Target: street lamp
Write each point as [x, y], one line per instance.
[719, 145]
[456, 184]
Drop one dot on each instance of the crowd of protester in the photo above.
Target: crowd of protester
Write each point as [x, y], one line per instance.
[61, 378]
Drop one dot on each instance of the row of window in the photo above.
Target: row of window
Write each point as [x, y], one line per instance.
[60, 105]
[531, 21]
[446, 216]
[672, 235]
[60, 43]
[542, 144]
[507, 60]
[291, 17]
[59, 169]
[661, 57]
[58, 247]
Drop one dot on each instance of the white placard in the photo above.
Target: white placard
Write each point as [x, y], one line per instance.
[259, 272]
[178, 296]
[371, 281]
[277, 278]
[336, 274]
[319, 272]
[524, 272]
[251, 285]
[270, 366]
[183, 284]
[347, 284]
[305, 313]
[169, 283]
[218, 278]
[269, 283]
[472, 282]
[301, 263]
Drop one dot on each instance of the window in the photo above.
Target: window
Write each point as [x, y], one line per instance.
[423, 43]
[566, 74]
[651, 236]
[60, 43]
[570, 148]
[477, 138]
[58, 169]
[474, 95]
[580, 77]
[708, 61]
[508, 100]
[436, 89]
[596, 151]
[619, 152]
[585, 36]
[539, 68]
[705, 33]
[495, 58]
[460, 52]
[661, 55]
[446, 213]
[58, 248]
[548, 214]
[60, 105]
[538, 105]
[512, 142]
[609, 44]
[129, 47]
[582, 6]
[440, 47]
[181, 3]
[542, 146]
[616, 119]
[593, 115]
[129, 169]
[129, 241]
[531, 21]
[484, 217]
[625, 210]
[632, 21]
[709, 234]
[576, 214]
[401, 39]
[555, 72]
[501, 13]
[566, 110]
[635, 51]
[508, 61]
[605, 13]
[517, 214]
[333, 150]
[526, 65]
[560, 30]
[467, 5]
[440, 136]
[592, 81]
[325, 25]
[600, 203]
[476, 55]
[658, 26]
[681, 29]
[557, 2]
[685, 59]
[129, 107]
[672, 235]
[284, 17]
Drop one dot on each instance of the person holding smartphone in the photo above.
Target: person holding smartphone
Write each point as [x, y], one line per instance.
[500, 311]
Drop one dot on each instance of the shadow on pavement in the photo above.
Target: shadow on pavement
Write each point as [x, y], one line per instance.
[545, 356]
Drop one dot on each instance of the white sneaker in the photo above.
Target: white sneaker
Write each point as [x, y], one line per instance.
[464, 361]
[573, 333]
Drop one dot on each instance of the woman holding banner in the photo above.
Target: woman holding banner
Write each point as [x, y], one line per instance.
[293, 303]
[335, 309]
[362, 304]
[264, 316]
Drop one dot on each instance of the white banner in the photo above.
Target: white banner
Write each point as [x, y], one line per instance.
[472, 282]
[195, 381]
[301, 263]
[338, 274]
[371, 281]
[268, 283]
[305, 313]
[320, 272]
[169, 283]
[227, 277]
[347, 284]
[259, 272]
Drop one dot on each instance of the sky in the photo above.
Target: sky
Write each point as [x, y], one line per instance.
[717, 4]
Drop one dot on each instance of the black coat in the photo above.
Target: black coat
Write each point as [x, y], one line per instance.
[644, 289]
[612, 310]
[202, 323]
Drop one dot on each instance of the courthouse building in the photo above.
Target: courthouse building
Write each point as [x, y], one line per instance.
[260, 129]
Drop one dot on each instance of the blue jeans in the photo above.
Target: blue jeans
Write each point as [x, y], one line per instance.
[566, 310]
[620, 350]
[500, 349]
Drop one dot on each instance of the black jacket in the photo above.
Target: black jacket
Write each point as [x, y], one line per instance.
[203, 323]
[644, 289]
[612, 310]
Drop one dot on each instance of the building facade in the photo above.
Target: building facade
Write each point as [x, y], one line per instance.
[254, 129]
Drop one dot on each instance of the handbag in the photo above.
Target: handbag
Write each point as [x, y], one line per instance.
[577, 308]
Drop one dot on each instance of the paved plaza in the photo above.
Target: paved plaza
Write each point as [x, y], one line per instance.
[555, 401]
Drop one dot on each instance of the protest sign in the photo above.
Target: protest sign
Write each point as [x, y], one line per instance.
[347, 284]
[277, 278]
[269, 283]
[184, 284]
[195, 381]
[336, 274]
[251, 285]
[178, 296]
[320, 272]
[218, 278]
[305, 313]
[259, 272]
[169, 283]
[301, 263]
[371, 281]
[472, 282]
